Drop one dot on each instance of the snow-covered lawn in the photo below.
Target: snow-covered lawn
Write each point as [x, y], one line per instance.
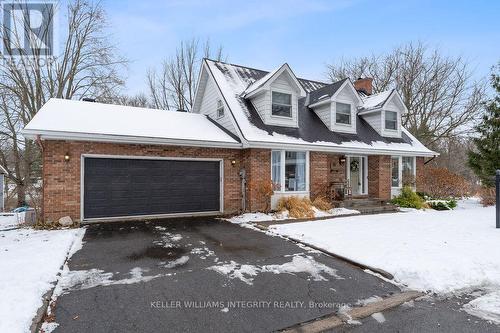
[440, 251]
[29, 263]
[279, 216]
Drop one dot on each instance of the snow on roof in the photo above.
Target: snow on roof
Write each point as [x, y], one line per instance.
[82, 118]
[232, 84]
[377, 100]
[260, 82]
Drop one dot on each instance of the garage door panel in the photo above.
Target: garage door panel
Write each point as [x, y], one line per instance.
[131, 187]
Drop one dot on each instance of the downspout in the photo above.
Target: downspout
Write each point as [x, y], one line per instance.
[243, 176]
[433, 157]
[38, 140]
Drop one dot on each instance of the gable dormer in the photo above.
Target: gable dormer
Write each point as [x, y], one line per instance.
[275, 97]
[336, 105]
[383, 111]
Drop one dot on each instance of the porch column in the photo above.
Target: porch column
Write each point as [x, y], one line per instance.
[379, 176]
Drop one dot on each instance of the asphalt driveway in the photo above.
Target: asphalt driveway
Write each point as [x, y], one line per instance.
[201, 275]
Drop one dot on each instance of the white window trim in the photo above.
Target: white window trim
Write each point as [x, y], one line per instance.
[397, 121]
[400, 170]
[365, 165]
[292, 96]
[350, 114]
[344, 128]
[282, 172]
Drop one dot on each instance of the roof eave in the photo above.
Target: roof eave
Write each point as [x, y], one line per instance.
[112, 138]
[339, 149]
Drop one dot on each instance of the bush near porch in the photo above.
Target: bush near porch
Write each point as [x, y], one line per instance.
[441, 183]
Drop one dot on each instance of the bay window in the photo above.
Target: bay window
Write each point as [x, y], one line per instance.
[408, 170]
[289, 171]
[403, 171]
[395, 171]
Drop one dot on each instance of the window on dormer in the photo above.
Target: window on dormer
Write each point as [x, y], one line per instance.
[282, 104]
[343, 113]
[391, 120]
[220, 109]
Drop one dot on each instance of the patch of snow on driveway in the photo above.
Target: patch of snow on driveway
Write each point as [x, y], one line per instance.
[487, 307]
[29, 263]
[299, 264]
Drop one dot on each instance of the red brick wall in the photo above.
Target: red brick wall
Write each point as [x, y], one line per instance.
[319, 171]
[379, 177]
[419, 172]
[61, 190]
[257, 163]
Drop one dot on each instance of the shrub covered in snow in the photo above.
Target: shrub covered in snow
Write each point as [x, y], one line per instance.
[296, 207]
[409, 199]
[442, 204]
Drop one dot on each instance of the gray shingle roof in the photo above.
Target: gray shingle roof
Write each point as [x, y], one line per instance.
[232, 81]
[325, 91]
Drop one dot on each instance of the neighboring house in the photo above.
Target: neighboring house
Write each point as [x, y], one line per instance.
[308, 138]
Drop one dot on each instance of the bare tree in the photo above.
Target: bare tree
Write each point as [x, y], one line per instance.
[173, 85]
[442, 98]
[138, 100]
[87, 66]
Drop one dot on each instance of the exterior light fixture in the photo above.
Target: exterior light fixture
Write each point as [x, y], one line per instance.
[342, 159]
[66, 157]
[233, 162]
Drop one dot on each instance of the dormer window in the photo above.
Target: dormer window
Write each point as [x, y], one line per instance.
[391, 120]
[343, 113]
[220, 109]
[281, 104]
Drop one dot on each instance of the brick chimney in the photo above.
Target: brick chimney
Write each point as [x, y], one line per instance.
[364, 85]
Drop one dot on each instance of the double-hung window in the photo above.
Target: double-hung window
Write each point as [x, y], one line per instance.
[343, 113]
[391, 120]
[220, 109]
[288, 171]
[281, 104]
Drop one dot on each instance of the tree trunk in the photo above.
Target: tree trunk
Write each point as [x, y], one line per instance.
[21, 195]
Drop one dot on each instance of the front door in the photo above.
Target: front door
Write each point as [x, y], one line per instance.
[357, 174]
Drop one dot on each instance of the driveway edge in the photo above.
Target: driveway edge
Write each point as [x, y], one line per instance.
[328, 322]
[380, 271]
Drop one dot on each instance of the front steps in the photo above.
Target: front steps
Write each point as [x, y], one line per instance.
[367, 205]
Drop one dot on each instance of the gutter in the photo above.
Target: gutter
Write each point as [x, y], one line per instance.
[339, 149]
[56, 135]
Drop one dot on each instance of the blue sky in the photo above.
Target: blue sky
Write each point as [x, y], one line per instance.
[305, 33]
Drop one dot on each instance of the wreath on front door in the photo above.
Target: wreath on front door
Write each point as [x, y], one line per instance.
[354, 165]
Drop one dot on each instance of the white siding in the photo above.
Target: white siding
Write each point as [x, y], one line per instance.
[392, 105]
[324, 113]
[262, 102]
[374, 120]
[346, 95]
[209, 106]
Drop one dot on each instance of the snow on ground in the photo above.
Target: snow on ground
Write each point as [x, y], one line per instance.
[440, 251]
[487, 306]
[298, 264]
[11, 220]
[29, 263]
[278, 216]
